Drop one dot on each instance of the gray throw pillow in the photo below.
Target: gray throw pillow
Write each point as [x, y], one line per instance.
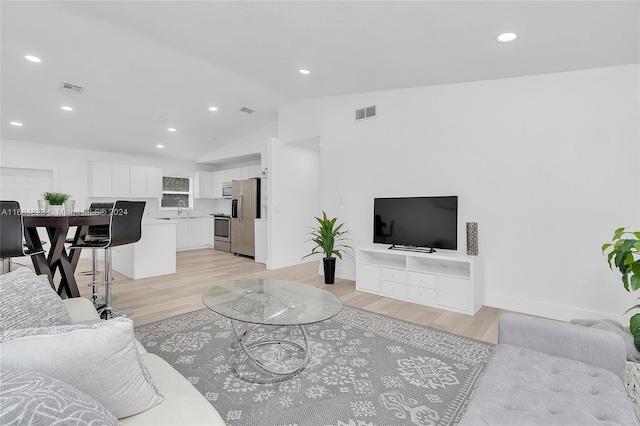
[100, 359]
[27, 300]
[29, 398]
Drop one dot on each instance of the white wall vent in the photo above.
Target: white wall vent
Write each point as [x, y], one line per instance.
[366, 112]
[68, 87]
[247, 110]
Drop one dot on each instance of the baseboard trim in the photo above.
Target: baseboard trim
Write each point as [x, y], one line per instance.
[547, 310]
[283, 263]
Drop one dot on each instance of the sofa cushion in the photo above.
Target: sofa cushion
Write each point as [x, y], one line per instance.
[37, 399]
[521, 386]
[99, 359]
[29, 301]
[183, 404]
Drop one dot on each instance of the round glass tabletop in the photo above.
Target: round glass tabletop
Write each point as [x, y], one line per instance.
[272, 302]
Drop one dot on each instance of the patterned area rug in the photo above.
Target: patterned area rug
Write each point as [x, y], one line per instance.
[366, 369]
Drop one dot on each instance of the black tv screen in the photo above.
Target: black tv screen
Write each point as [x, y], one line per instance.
[426, 222]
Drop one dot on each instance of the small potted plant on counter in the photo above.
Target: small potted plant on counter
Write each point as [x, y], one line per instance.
[328, 237]
[56, 200]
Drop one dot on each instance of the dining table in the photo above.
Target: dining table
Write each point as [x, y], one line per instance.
[58, 258]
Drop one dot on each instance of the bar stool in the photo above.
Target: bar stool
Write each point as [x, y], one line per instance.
[96, 232]
[12, 234]
[125, 227]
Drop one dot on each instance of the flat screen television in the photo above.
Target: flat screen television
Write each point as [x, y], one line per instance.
[422, 223]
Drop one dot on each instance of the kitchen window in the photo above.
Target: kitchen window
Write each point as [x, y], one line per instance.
[176, 192]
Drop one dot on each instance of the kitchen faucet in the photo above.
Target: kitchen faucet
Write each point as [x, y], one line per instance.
[181, 206]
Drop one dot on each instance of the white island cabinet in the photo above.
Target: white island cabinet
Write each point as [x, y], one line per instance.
[153, 255]
[444, 279]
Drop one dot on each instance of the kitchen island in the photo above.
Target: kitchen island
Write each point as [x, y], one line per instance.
[153, 255]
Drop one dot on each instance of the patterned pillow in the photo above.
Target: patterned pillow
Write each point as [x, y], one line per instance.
[37, 399]
[99, 359]
[29, 301]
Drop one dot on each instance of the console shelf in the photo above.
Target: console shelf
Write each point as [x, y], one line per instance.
[445, 279]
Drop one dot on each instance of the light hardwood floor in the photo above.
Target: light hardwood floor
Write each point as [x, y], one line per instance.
[153, 299]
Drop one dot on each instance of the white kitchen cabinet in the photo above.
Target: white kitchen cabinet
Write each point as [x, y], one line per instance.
[445, 280]
[191, 233]
[249, 172]
[209, 231]
[109, 180]
[100, 184]
[154, 182]
[138, 181]
[182, 234]
[202, 185]
[197, 231]
[233, 174]
[124, 181]
[120, 179]
[216, 184]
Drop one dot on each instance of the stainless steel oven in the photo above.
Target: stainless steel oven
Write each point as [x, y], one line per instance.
[222, 233]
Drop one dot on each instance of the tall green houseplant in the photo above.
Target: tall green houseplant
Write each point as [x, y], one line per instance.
[624, 254]
[328, 237]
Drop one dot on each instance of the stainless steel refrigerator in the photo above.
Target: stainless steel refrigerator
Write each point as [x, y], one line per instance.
[245, 208]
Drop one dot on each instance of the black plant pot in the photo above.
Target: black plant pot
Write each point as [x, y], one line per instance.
[329, 264]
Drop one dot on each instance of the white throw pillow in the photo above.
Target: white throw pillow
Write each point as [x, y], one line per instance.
[100, 359]
[28, 300]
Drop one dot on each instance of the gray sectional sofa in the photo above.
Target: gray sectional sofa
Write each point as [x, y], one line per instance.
[545, 372]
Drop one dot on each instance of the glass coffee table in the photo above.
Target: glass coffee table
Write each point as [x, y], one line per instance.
[268, 319]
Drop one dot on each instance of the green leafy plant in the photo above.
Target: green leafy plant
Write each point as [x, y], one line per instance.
[56, 198]
[328, 238]
[624, 254]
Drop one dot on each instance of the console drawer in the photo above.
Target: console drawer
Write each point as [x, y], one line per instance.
[393, 275]
[422, 280]
[395, 290]
[422, 295]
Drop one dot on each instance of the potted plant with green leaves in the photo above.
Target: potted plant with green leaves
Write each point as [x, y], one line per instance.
[328, 238]
[624, 254]
[56, 200]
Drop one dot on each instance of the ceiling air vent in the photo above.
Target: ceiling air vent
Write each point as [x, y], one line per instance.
[247, 110]
[367, 112]
[68, 87]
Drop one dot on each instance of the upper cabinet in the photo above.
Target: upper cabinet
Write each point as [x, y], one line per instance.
[124, 181]
[233, 174]
[209, 184]
[203, 185]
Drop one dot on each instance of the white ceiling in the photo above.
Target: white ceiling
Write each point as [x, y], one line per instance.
[142, 60]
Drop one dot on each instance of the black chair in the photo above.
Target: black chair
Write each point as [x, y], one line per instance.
[125, 227]
[12, 234]
[96, 232]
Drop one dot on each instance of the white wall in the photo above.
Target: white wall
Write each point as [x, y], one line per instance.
[547, 166]
[294, 196]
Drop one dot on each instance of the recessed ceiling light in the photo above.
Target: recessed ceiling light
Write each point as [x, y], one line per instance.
[66, 108]
[160, 146]
[305, 72]
[212, 108]
[507, 37]
[16, 123]
[171, 129]
[32, 58]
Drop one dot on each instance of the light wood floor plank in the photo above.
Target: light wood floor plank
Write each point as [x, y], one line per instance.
[154, 299]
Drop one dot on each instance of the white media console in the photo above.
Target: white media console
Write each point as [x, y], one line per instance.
[444, 279]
